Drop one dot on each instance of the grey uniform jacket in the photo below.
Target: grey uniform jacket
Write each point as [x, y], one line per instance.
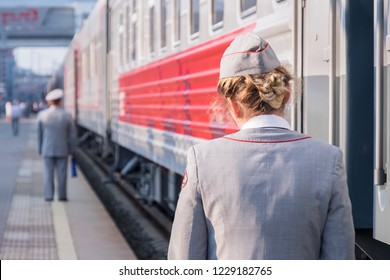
[263, 193]
[56, 133]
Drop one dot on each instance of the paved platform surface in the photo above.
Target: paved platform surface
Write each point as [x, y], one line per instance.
[31, 228]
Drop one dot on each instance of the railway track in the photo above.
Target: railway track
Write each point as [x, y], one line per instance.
[145, 227]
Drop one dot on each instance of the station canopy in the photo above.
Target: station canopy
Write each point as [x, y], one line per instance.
[38, 23]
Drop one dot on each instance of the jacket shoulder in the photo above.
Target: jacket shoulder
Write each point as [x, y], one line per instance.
[282, 137]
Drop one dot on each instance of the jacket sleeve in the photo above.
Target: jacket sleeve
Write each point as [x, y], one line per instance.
[72, 137]
[189, 232]
[338, 238]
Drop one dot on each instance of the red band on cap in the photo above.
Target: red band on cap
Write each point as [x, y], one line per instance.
[258, 51]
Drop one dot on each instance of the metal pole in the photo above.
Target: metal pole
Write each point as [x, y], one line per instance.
[3, 47]
[379, 175]
[332, 75]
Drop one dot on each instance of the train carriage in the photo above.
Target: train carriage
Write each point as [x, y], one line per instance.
[167, 56]
[86, 72]
[146, 73]
[70, 78]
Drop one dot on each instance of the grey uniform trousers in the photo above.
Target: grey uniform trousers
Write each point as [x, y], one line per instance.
[56, 165]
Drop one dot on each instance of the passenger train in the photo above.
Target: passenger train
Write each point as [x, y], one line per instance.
[139, 76]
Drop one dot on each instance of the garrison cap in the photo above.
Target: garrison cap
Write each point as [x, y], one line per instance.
[248, 54]
[55, 94]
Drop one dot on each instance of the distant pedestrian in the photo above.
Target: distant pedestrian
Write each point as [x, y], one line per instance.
[16, 113]
[266, 191]
[56, 141]
[8, 111]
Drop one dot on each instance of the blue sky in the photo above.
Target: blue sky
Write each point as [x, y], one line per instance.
[40, 60]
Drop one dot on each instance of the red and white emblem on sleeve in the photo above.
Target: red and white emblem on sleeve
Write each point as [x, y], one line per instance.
[185, 179]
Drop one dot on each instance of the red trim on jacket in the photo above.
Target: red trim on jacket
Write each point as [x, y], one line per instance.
[267, 141]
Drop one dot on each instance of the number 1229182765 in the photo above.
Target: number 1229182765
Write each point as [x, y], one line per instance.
[246, 270]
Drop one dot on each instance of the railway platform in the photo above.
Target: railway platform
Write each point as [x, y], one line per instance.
[33, 229]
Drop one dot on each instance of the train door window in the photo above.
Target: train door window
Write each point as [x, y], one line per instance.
[217, 13]
[152, 29]
[194, 16]
[248, 7]
[163, 24]
[176, 25]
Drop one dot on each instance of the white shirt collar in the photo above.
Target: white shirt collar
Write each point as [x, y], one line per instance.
[266, 121]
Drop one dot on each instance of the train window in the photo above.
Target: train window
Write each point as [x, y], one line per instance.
[248, 7]
[134, 42]
[108, 31]
[163, 24]
[151, 29]
[194, 16]
[98, 57]
[134, 30]
[217, 13]
[176, 25]
[85, 64]
[92, 60]
[127, 33]
[121, 40]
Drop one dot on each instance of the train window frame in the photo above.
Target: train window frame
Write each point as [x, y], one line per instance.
[194, 33]
[219, 24]
[247, 12]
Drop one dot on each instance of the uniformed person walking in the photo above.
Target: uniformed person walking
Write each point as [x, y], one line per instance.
[264, 192]
[16, 113]
[56, 141]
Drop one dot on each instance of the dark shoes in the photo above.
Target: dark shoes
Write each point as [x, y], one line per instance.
[60, 199]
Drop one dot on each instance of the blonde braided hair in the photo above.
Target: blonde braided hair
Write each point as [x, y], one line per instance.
[259, 93]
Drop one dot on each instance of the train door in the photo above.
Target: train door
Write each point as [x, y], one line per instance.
[323, 69]
[105, 51]
[337, 90]
[77, 81]
[315, 68]
[112, 63]
[359, 104]
[382, 119]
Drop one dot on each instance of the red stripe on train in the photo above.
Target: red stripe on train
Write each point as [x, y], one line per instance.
[174, 94]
